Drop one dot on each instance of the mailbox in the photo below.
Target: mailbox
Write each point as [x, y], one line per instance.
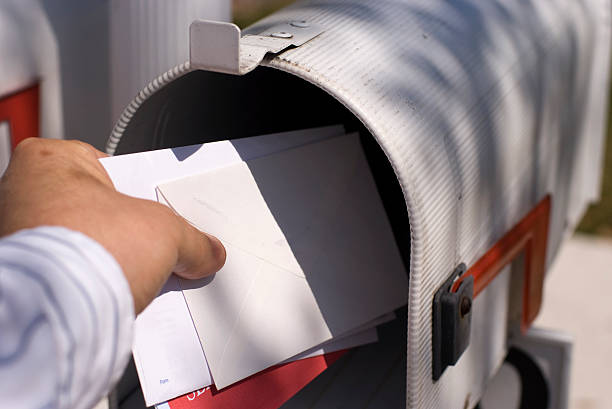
[483, 124]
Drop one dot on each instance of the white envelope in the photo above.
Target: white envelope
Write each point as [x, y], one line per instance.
[366, 334]
[166, 348]
[310, 254]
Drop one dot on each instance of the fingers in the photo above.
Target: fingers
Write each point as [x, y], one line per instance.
[148, 239]
[90, 149]
[91, 156]
[60, 144]
[161, 243]
[199, 254]
[77, 155]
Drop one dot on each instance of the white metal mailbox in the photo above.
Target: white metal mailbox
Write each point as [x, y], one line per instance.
[486, 112]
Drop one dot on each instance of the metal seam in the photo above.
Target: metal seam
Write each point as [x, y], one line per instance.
[129, 112]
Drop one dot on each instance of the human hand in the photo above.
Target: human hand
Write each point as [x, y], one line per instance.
[62, 183]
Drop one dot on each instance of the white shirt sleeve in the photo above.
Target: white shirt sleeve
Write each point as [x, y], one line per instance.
[66, 317]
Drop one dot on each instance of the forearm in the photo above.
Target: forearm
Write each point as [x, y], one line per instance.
[66, 315]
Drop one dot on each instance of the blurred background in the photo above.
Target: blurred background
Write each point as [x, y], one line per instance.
[576, 298]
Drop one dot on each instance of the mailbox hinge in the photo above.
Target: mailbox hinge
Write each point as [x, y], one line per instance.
[451, 321]
[218, 46]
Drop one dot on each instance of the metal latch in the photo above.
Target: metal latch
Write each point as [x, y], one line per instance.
[452, 318]
[218, 46]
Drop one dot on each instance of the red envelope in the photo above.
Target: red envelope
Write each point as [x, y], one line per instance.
[267, 389]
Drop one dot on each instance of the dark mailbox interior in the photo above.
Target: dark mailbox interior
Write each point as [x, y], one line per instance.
[206, 107]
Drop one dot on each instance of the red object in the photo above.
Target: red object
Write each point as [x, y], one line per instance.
[268, 389]
[21, 111]
[530, 235]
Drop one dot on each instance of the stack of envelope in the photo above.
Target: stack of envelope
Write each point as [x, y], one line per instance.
[312, 266]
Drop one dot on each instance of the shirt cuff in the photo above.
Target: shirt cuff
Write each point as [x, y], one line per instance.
[90, 304]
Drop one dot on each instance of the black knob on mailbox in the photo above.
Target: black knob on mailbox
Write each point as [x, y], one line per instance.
[451, 321]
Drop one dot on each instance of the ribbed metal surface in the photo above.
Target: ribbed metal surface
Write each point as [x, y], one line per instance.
[482, 107]
[142, 96]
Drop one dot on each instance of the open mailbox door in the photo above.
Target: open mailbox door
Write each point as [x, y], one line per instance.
[483, 124]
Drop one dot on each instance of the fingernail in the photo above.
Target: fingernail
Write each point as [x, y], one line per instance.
[218, 250]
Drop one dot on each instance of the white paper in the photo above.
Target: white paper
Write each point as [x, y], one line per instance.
[170, 362]
[367, 336]
[363, 335]
[310, 254]
[168, 365]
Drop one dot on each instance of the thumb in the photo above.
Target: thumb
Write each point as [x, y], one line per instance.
[199, 254]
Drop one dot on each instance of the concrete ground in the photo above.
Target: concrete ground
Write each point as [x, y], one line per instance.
[578, 300]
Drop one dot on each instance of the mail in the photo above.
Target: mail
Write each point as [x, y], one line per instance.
[166, 347]
[310, 254]
[165, 372]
